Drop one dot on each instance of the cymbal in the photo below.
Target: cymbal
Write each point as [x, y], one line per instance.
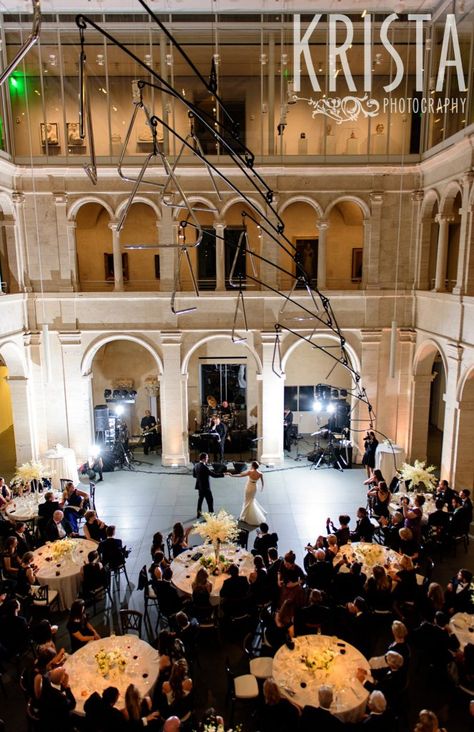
[318, 433]
[212, 401]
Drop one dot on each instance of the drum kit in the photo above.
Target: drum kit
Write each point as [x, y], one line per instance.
[227, 413]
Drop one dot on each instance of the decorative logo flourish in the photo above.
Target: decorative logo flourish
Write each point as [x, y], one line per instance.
[341, 109]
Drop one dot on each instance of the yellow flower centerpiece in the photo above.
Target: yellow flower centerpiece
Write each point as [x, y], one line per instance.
[419, 476]
[62, 548]
[216, 529]
[318, 661]
[370, 554]
[110, 662]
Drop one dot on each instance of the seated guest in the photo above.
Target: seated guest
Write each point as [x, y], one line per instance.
[201, 597]
[187, 632]
[13, 630]
[179, 539]
[343, 533]
[80, 630]
[332, 548]
[311, 549]
[364, 530]
[348, 585]
[290, 580]
[75, 504]
[320, 573]
[158, 566]
[438, 520]
[320, 718]
[46, 509]
[379, 590]
[390, 530]
[428, 722]
[406, 587]
[56, 701]
[94, 529]
[314, 617]
[399, 643]
[374, 479]
[234, 591]
[378, 719]
[93, 573]
[436, 641]
[10, 558]
[445, 493]
[24, 538]
[359, 625]
[259, 584]
[466, 668]
[178, 691]
[433, 601]
[210, 721]
[111, 550]
[157, 543]
[101, 712]
[263, 541]
[390, 680]
[26, 576]
[412, 515]
[408, 544]
[465, 495]
[168, 596]
[280, 628]
[5, 492]
[278, 714]
[58, 527]
[458, 593]
[137, 712]
[459, 523]
[380, 498]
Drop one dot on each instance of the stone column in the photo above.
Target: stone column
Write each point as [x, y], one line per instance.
[463, 476]
[22, 419]
[77, 394]
[72, 251]
[416, 245]
[442, 252]
[465, 244]
[14, 276]
[468, 274]
[372, 243]
[271, 251]
[451, 413]
[323, 226]
[420, 414]
[406, 348]
[168, 256]
[271, 95]
[422, 277]
[369, 365]
[117, 252]
[22, 276]
[271, 446]
[220, 255]
[173, 421]
[66, 265]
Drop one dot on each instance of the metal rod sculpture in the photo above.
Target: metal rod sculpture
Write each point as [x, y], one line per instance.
[29, 43]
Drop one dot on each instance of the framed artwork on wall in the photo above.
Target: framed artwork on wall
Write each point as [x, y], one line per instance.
[49, 133]
[307, 256]
[356, 271]
[73, 137]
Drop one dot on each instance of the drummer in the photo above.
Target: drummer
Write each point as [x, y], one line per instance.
[225, 410]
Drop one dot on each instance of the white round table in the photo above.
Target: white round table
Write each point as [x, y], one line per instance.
[185, 568]
[368, 555]
[141, 668]
[463, 626]
[61, 463]
[388, 459]
[63, 573]
[334, 662]
[428, 507]
[25, 508]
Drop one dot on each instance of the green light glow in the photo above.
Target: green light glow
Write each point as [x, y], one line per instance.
[17, 84]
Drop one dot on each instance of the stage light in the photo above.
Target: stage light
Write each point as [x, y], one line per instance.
[132, 394]
[317, 406]
[116, 394]
[107, 393]
[94, 451]
[331, 408]
[119, 410]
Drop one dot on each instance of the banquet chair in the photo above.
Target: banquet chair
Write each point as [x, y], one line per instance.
[149, 597]
[99, 593]
[63, 482]
[92, 496]
[131, 620]
[243, 688]
[242, 538]
[116, 570]
[260, 666]
[44, 598]
[169, 548]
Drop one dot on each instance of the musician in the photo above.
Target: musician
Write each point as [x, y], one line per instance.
[225, 409]
[220, 428]
[148, 426]
[287, 425]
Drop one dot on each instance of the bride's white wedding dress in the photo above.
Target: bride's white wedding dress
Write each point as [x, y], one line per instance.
[252, 512]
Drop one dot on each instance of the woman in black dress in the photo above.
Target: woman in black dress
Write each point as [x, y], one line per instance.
[80, 630]
[370, 446]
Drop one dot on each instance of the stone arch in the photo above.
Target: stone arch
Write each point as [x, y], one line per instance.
[238, 200]
[463, 453]
[14, 359]
[423, 363]
[6, 205]
[429, 229]
[296, 342]
[448, 198]
[199, 200]
[17, 443]
[94, 245]
[93, 348]
[76, 205]
[353, 199]
[347, 261]
[137, 199]
[302, 199]
[430, 198]
[212, 337]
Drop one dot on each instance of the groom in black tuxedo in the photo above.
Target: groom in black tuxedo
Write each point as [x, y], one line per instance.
[202, 472]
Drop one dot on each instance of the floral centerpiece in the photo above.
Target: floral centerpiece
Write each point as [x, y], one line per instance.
[62, 548]
[34, 470]
[370, 554]
[418, 476]
[110, 661]
[218, 727]
[216, 529]
[318, 660]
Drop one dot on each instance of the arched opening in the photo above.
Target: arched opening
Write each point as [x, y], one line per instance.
[7, 430]
[119, 368]
[141, 267]
[241, 233]
[300, 219]
[432, 237]
[464, 460]
[222, 381]
[203, 257]
[345, 246]
[428, 405]
[426, 267]
[95, 249]
[454, 232]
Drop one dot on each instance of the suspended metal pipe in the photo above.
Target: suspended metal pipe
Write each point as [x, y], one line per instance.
[30, 41]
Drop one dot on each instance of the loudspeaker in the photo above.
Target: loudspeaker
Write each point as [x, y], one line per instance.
[101, 418]
[239, 467]
[219, 468]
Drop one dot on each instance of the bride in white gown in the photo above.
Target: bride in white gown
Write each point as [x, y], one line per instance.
[252, 512]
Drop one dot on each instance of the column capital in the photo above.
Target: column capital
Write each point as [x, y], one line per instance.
[170, 337]
[454, 351]
[32, 338]
[441, 218]
[376, 197]
[407, 335]
[467, 178]
[417, 195]
[368, 336]
[70, 337]
[113, 226]
[268, 337]
[322, 224]
[60, 198]
[219, 224]
[18, 197]
[71, 225]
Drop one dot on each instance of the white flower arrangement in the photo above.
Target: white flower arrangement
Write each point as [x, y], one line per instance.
[109, 661]
[220, 728]
[34, 470]
[62, 548]
[320, 661]
[369, 554]
[217, 528]
[418, 475]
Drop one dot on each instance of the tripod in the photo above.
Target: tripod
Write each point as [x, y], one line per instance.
[329, 458]
[123, 457]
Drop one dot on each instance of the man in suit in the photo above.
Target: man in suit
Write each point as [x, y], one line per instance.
[264, 540]
[287, 425]
[111, 550]
[234, 593]
[56, 701]
[219, 445]
[58, 527]
[320, 718]
[46, 509]
[202, 472]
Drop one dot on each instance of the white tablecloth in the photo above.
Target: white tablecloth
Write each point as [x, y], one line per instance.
[25, 508]
[463, 625]
[185, 569]
[368, 555]
[61, 463]
[141, 669]
[388, 459]
[300, 684]
[63, 575]
[428, 506]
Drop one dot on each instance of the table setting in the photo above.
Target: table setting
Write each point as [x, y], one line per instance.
[59, 565]
[25, 507]
[318, 660]
[114, 661]
[368, 555]
[462, 624]
[428, 506]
